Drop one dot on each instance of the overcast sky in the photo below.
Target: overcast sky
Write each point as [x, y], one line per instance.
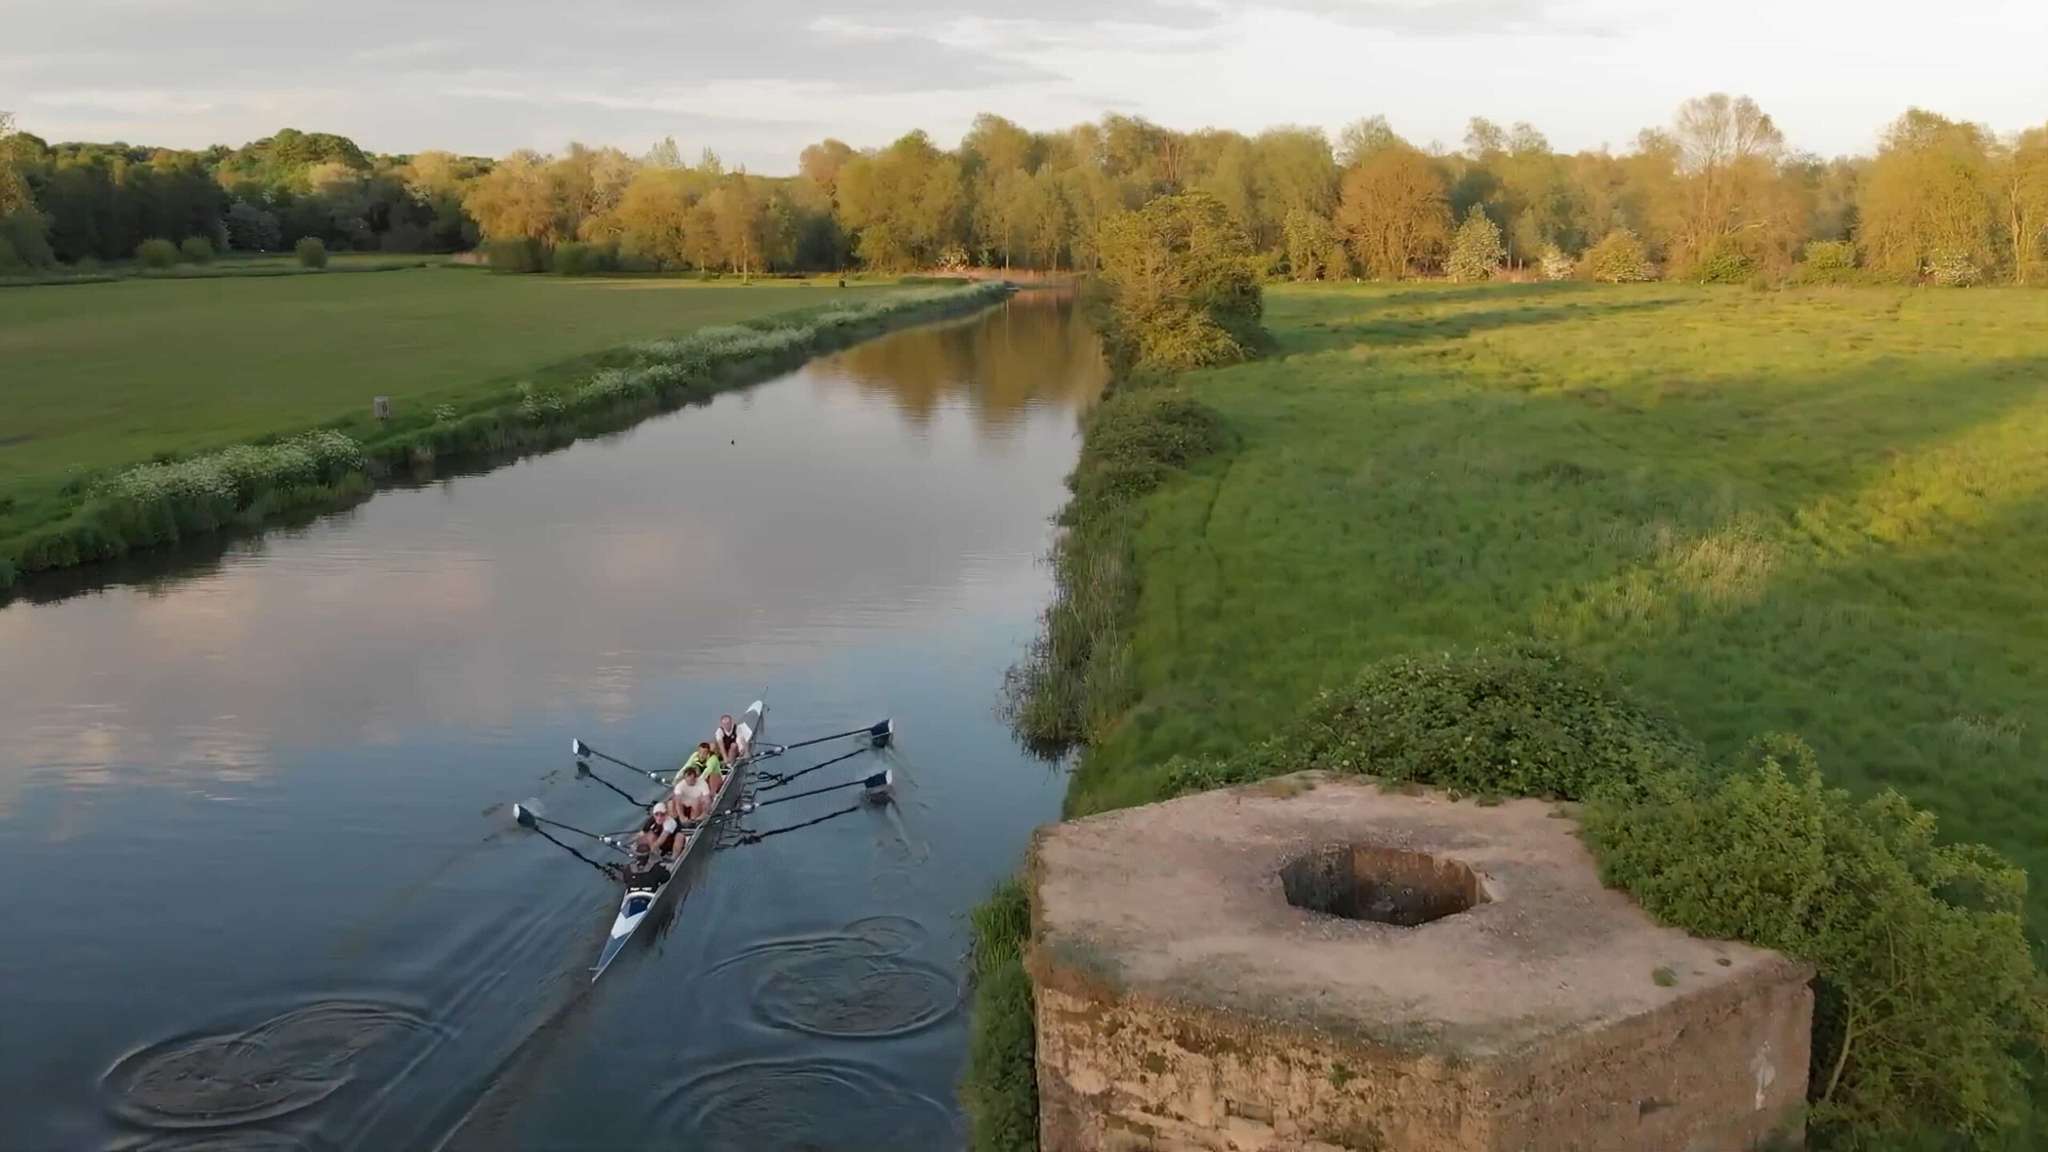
[758, 79]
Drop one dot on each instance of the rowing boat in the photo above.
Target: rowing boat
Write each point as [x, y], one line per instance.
[638, 905]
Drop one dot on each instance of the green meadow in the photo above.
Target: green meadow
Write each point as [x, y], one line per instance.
[1821, 512]
[98, 376]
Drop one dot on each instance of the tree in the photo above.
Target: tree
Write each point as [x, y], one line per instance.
[516, 200]
[1182, 289]
[14, 193]
[1313, 250]
[739, 215]
[822, 162]
[1392, 212]
[1361, 140]
[905, 202]
[653, 217]
[252, 228]
[2023, 192]
[1291, 169]
[1726, 188]
[1476, 250]
[1928, 197]
[664, 154]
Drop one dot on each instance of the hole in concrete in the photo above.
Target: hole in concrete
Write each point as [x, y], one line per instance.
[1385, 885]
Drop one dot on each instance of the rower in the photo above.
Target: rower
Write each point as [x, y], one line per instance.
[644, 872]
[691, 793]
[726, 740]
[666, 832]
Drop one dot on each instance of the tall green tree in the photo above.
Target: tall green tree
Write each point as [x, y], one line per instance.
[904, 203]
[1182, 288]
[1928, 196]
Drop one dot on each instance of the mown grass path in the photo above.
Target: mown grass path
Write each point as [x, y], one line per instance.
[1821, 512]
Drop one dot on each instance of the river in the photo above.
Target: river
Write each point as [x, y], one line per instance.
[261, 885]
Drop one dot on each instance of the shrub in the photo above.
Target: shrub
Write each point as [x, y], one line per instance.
[24, 241]
[1827, 262]
[156, 252]
[311, 252]
[196, 250]
[580, 259]
[1617, 259]
[1521, 720]
[1723, 262]
[1555, 263]
[1953, 268]
[1476, 248]
[516, 255]
[1926, 983]
[1135, 439]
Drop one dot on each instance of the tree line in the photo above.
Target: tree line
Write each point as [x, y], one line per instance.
[1715, 194]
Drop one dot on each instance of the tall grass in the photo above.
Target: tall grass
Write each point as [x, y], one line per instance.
[1076, 677]
[1000, 1091]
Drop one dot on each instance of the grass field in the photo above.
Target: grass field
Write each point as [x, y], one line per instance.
[1824, 513]
[102, 375]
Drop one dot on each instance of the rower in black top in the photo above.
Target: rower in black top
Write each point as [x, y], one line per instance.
[645, 872]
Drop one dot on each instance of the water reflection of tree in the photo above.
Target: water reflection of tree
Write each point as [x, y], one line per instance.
[1033, 352]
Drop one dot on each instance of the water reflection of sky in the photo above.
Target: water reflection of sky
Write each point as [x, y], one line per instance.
[566, 583]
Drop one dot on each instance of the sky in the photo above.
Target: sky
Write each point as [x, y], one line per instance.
[756, 80]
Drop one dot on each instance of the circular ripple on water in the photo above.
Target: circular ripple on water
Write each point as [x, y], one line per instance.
[853, 994]
[887, 935]
[809, 1104]
[220, 1079]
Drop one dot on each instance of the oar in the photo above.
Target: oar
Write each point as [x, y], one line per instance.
[583, 770]
[878, 732]
[779, 781]
[583, 749]
[882, 779]
[526, 817]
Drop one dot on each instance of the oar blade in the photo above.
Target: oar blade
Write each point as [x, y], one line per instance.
[882, 733]
[579, 748]
[523, 816]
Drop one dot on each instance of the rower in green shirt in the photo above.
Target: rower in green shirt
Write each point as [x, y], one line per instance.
[707, 762]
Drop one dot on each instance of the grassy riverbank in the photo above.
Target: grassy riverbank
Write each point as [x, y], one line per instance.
[465, 357]
[1823, 513]
[1818, 513]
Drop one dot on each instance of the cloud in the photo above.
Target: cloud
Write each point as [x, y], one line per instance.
[759, 79]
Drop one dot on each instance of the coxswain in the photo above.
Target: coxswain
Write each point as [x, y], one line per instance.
[644, 871]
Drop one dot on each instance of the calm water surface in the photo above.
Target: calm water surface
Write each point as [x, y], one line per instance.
[261, 889]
